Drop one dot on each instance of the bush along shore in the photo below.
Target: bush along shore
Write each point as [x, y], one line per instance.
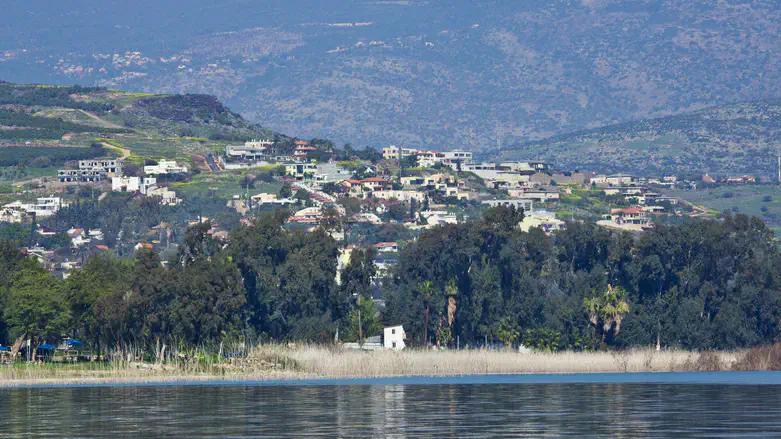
[295, 362]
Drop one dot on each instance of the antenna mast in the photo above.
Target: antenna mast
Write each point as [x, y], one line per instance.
[779, 166]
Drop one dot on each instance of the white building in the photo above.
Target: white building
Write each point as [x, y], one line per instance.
[387, 247]
[331, 173]
[167, 196]
[542, 219]
[308, 215]
[271, 199]
[252, 150]
[91, 171]
[46, 206]
[132, 184]
[96, 234]
[518, 204]
[463, 157]
[541, 196]
[613, 180]
[11, 215]
[631, 219]
[526, 167]
[369, 218]
[41, 208]
[427, 159]
[111, 167]
[459, 193]
[394, 152]
[165, 167]
[301, 171]
[439, 217]
[494, 172]
[80, 240]
[80, 175]
[393, 338]
[399, 195]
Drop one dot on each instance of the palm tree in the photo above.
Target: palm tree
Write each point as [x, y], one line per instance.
[507, 332]
[426, 289]
[608, 309]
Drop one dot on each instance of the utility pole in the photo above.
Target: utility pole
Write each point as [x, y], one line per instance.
[498, 137]
[32, 230]
[360, 328]
[399, 150]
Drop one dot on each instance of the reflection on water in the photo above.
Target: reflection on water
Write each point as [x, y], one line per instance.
[396, 410]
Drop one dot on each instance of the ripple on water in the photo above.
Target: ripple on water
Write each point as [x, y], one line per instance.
[397, 410]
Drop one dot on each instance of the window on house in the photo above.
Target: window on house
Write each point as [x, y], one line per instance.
[393, 331]
[394, 344]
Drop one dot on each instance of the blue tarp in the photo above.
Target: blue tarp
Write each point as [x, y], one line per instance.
[46, 347]
[5, 349]
[73, 343]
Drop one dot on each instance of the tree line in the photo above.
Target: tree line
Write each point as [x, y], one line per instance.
[704, 284]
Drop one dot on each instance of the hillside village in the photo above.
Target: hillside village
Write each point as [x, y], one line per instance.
[390, 218]
[301, 239]
[377, 198]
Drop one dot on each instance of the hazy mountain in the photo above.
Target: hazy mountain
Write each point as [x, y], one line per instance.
[725, 140]
[439, 73]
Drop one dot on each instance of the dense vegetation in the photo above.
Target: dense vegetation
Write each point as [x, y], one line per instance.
[126, 219]
[48, 96]
[17, 125]
[703, 284]
[24, 235]
[700, 285]
[188, 108]
[191, 115]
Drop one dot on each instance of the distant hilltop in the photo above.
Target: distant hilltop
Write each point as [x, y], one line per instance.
[732, 139]
[47, 113]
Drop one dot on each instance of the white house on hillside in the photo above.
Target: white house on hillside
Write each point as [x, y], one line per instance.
[132, 184]
[165, 167]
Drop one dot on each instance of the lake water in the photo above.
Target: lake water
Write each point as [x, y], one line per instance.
[597, 405]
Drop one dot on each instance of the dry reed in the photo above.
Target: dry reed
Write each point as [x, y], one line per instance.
[334, 362]
[273, 361]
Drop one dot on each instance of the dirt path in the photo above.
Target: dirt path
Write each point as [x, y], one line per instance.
[104, 123]
[124, 152]
[698, 211]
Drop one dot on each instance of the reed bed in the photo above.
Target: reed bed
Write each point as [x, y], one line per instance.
[328, 362]
[35, 374]
[118, 370]
[282, 362]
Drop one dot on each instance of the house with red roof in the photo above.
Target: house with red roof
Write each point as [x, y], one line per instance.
[364, 187]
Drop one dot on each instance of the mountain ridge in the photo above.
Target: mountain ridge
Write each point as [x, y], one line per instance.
[740, 138]
[460, 74]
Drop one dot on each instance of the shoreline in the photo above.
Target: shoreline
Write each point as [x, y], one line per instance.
[724, 377]
[288, 365]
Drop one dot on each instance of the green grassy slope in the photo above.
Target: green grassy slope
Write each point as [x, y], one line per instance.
[763, 201]
[149, 125]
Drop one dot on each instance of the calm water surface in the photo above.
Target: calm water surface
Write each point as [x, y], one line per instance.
[665, 405]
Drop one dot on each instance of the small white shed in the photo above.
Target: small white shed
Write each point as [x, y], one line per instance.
[393, 337]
